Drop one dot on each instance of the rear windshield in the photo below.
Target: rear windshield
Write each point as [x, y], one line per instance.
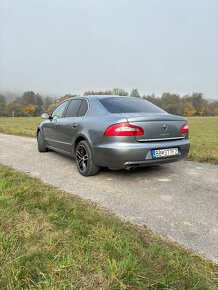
[129, 105]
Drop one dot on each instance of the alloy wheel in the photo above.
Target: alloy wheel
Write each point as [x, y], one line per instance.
[82, 158]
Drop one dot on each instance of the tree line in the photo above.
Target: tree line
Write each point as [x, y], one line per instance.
[29, 104]
[33, 104]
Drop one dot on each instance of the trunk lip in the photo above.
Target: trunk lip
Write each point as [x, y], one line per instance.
[157, 117]
[161, 139]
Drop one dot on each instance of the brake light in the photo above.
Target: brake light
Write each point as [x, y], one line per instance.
[123, 129]
[184, 129]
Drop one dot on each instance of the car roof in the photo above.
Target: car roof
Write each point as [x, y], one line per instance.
[98, 97]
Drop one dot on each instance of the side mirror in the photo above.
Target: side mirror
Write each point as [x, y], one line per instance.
[45, 116]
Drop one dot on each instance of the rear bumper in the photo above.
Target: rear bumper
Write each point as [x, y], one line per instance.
[126, 155]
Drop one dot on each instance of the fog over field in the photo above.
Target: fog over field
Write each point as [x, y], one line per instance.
[57, 47]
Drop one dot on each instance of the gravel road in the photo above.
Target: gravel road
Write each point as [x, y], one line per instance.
[178, 200]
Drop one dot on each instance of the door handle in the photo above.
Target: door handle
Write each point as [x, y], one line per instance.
[74, 125]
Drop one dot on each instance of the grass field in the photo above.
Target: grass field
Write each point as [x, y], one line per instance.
[22, 126]
[203, 134]
[52, 240]
[204, 139]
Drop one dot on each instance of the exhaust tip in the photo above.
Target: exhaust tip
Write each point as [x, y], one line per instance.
[132, 167]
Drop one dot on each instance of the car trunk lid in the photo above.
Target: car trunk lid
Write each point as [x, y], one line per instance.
[157, 127]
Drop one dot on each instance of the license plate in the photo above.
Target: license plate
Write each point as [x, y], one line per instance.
[159, 153]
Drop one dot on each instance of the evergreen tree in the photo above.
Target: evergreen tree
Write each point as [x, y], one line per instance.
[119, 92]
[135, 93]
[2, 105]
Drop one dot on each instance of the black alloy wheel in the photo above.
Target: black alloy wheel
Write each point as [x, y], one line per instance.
[84, 160]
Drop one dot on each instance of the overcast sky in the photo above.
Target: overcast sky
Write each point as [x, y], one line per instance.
[69, 46]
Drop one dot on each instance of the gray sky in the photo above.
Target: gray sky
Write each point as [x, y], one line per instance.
[69, 46]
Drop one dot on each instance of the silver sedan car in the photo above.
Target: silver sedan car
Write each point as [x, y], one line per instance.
[117, 132]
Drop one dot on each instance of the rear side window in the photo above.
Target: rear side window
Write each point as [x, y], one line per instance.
[129, 105]
[83, 109]
[73, 108]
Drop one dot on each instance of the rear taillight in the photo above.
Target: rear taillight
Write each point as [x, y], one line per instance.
[184, 129]
[123, 129]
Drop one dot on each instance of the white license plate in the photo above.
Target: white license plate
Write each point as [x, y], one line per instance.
[158, 153]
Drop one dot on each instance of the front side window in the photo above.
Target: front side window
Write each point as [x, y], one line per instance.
[58, 112]
[73, 108]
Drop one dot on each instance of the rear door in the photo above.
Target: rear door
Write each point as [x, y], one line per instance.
[71, 122]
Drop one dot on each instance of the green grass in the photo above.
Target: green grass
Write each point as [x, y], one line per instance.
[204, 139]
[22, 126]
[203, 134]
[52, 240]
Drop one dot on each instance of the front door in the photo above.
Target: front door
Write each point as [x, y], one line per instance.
[51, 128]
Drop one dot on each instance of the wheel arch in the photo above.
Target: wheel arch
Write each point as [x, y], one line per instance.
[94, 169]
[38, 129]
[78, 139]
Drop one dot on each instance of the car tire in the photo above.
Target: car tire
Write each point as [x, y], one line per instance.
[41, 143]
[84, 159]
